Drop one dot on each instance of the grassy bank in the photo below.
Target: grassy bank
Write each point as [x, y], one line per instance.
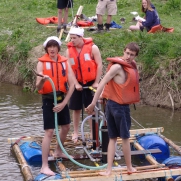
[19, 32]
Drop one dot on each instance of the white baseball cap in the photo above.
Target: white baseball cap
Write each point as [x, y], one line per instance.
[52, 38]
[77, 31]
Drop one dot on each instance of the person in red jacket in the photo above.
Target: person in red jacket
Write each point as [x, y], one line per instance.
[121, 88]
[53, 65]
[86, 62]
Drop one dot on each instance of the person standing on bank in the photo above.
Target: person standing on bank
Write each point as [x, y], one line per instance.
[151, 17]
[121, 88]
[63, 5]
[102, 6]
[53, 65]
[86, 62]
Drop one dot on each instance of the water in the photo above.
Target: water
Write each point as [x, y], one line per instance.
[21, 115]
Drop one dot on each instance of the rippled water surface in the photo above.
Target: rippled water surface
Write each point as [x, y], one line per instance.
[21, 115]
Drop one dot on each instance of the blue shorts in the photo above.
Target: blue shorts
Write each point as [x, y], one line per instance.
[118, 120]
[63, 117]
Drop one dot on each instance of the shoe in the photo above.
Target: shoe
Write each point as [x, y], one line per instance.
[92, 28]
[84, 17]
[58, 29]
[65, 29]
[107, 26]
[122, 20]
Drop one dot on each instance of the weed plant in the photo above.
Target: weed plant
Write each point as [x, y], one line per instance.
[19, 31]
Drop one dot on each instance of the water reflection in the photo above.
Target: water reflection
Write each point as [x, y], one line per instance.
[21, 115]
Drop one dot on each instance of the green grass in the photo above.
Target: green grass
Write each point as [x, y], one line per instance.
[19, 31]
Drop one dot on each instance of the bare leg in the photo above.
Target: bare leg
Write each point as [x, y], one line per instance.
[76, 118]
[135, 27]
[62, 133]
[110, 156]
[45, 151]
[99, 19]
[60, 11]
[127, 155]
[66, 10]
[109, 17]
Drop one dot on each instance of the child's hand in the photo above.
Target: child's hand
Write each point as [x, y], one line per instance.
[90, 109]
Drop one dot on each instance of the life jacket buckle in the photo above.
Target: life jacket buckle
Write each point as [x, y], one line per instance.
[59, 98]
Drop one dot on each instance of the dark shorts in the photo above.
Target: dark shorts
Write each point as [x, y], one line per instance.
[80, 98]
[118, 120]
[63, 117]
[62, 4]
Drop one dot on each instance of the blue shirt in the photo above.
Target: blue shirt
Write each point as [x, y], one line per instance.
[152, 19]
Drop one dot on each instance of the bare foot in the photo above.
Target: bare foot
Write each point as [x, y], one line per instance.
[106, 173]
[46, 171]
[74, 137]
[60, 155]
[131, 170]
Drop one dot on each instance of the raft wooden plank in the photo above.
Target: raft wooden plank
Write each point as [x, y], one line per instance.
[133, 153]
[84, 27]
[146, 130]
[134, 176]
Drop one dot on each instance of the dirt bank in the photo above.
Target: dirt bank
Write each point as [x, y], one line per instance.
[161, 89]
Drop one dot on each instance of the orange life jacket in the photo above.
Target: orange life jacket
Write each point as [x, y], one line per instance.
[45, 21]
[84, 23]
[159, 28]
[84, 67]
[127, 92]
[57, 71]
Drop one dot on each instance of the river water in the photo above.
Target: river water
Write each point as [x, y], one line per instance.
[21, 115]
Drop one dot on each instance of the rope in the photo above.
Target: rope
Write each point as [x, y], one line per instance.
[137, 122]
[23, 166]
[58, 137]
[17, 141]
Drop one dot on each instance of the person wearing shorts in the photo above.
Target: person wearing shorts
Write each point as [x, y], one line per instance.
[118, 116]
[105, 5]
[63, 20]
[63, 117]
[86, 62]
[53, 65]
[120, 86]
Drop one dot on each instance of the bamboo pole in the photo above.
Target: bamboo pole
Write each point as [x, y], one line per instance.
[61, 33]
[74, 22]
[61, 166]
[173, 145]
[117, 169]
[134, 176]
[23, 164]
[149, 157]
[146, 130]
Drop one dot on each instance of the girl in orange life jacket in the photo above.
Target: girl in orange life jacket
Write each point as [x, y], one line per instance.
[58, 69]
[118, 118]
[85, 60]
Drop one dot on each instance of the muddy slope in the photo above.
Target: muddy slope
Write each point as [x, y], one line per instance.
[163, 89]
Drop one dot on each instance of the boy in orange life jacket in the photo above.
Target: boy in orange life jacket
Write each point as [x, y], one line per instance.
[55, 66]
[85, 59]
[121, 88]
